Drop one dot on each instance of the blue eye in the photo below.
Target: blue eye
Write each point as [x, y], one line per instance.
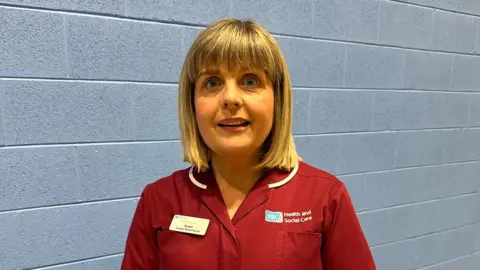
[250, 81]
[212, 82]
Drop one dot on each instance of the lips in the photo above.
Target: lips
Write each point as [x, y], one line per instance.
[234, 122]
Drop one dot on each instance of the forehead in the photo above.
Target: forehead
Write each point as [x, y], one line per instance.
[223, 69]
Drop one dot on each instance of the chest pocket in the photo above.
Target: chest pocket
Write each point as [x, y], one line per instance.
[301, 251]
[186, 251]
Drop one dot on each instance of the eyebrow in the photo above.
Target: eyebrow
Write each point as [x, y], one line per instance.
[209, 72]
[216, 71]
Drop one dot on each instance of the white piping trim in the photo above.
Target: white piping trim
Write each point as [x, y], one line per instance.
[194, 181]
[273, 185]
[286, 180]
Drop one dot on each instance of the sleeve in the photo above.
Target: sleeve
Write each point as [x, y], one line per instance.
[141, 250]
[345, 246]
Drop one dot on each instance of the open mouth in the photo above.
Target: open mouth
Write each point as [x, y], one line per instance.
[235, 124]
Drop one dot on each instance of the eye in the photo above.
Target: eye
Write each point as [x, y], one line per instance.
[250, 81]
[212, 82]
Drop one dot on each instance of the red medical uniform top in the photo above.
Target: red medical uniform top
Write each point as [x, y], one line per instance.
[291, 220]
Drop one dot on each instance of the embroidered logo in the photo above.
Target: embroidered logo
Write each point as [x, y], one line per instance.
[271, 216]
[288, 217]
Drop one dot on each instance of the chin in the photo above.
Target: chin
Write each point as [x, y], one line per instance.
[225, 149]
[234, 149]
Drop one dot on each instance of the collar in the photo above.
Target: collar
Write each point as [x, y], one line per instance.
[277, 184]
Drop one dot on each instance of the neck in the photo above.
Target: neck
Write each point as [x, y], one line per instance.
[236, 172]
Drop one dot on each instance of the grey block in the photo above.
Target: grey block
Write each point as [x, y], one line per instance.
[330, 18]
[373, 66]
[340, 111]
[277, 16]
[115, 171]
[425, 70]
[57, 112]
[392, 188]
[319, 151]
[382, 226]
[476, 246]
[367, 152]
[452, 113]
[462, 145]
[454, 32]
[312, 62]
[445, 110]
[37, 176]
[9, 244]
[156, 116]
[475, 110]
[444, 4]
[414, 110]
[405, 25]
[107, 171]
[397, 110]
[189, 34]
[478, 38]
[469, 6]
[464, 174]
[198, 12]
[2, 133]
[465, 73]
[477, 211]
[301, 111]
[396, 256]
[424, 251]
[418, 2]
[32, 44]
[70, 233]
[157, 160]
[417, 148]
[102, 263]
[444, 246]
[466, 262]
[346, 19]
[477, 218]
[362, 22]
[100, 48]
[105, 6]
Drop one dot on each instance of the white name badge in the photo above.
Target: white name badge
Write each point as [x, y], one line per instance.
[191, 225]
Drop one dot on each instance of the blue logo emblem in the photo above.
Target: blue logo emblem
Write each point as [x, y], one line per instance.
[273, 216]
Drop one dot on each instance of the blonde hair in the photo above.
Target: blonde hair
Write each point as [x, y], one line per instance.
[236, 43]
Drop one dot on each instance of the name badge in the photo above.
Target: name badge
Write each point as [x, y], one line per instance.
[192, 225]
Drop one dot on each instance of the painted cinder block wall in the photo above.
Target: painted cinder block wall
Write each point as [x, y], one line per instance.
[386, 93]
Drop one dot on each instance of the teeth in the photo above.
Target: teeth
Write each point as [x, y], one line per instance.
[234, 123]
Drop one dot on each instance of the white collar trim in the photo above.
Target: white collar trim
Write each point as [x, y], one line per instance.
[194, 181]
[273, 185]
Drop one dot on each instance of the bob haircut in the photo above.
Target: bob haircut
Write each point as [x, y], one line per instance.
[237, 44]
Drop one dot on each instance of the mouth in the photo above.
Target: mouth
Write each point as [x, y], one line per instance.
[235, 124]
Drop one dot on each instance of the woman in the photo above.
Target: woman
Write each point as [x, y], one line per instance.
[247, 202]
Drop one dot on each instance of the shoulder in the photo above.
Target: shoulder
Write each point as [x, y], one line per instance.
[172, 179]
[330, 191]
[318, 184]
[162, 197]
[167, 184]
[311, 175]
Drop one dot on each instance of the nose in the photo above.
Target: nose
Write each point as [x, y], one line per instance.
[231, 98]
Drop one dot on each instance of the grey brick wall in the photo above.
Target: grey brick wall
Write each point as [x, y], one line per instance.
[386, 96]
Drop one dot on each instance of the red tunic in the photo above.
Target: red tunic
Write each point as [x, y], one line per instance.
[302, 219]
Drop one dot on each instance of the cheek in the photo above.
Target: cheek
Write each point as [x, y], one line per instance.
[265, 110]
[204, 114]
